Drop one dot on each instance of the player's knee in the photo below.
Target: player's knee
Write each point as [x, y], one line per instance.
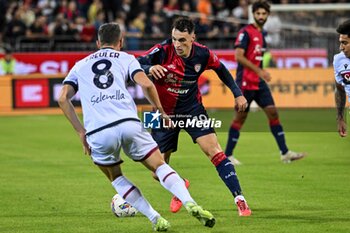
[273, 117]
[271, 112]
[212, 149]
[154, 161]
[111, 172]
[209, 144]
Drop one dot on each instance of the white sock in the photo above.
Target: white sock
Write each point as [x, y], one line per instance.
[132, 194]
[239, 197]
[170, 180]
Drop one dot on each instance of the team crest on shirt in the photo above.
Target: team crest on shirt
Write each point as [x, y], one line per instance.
[172, 66]
[170, 78]
[197, 67]
[346, 76]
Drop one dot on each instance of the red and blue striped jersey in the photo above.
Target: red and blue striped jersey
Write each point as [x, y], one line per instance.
[178, 90]
[252, 40]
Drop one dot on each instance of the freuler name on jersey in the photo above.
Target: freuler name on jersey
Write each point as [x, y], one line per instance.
[178, 91]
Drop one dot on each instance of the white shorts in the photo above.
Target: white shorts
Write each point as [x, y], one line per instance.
[136, 142]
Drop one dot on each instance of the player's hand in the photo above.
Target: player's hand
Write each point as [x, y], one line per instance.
[241, 103]
[157, 71]
[86, 147]
[265, 75]
[342, 128]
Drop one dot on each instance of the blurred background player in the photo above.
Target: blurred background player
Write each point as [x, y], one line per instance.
[341, 66]
[176, 65]
[111, 123]
[250, 46]
[7, 63]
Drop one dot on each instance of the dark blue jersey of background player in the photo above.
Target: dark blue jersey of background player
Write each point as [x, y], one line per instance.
[178, 89]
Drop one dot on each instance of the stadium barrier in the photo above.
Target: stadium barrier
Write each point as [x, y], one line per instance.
[29, 94]
[62, 62]
[291, 88]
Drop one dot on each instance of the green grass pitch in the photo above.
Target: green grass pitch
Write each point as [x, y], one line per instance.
[48, 185]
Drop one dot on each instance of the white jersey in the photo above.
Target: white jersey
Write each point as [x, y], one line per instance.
[101, 79]
[341, 66]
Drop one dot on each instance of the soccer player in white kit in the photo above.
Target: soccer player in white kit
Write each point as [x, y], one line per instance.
[341, 64]
[111, 123]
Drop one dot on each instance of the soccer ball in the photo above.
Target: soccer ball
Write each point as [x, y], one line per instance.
[121, 208]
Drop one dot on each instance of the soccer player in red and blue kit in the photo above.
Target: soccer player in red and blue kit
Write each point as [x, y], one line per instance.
[251, 78]
[175, 66]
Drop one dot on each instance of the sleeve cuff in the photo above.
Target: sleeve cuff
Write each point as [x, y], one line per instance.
[74, 85]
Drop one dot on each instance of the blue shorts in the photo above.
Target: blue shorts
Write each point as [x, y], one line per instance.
[262, 97]
[167, 139]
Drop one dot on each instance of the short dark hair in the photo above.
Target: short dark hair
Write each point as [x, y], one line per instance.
[261, 4]
[344, 28]
[184, 24]
[109, 33]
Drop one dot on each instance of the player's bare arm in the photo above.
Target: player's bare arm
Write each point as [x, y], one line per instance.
[239, 53]
[64, 101]
[157, 71]
[340, 99]
[149, 90]
[151, 94]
